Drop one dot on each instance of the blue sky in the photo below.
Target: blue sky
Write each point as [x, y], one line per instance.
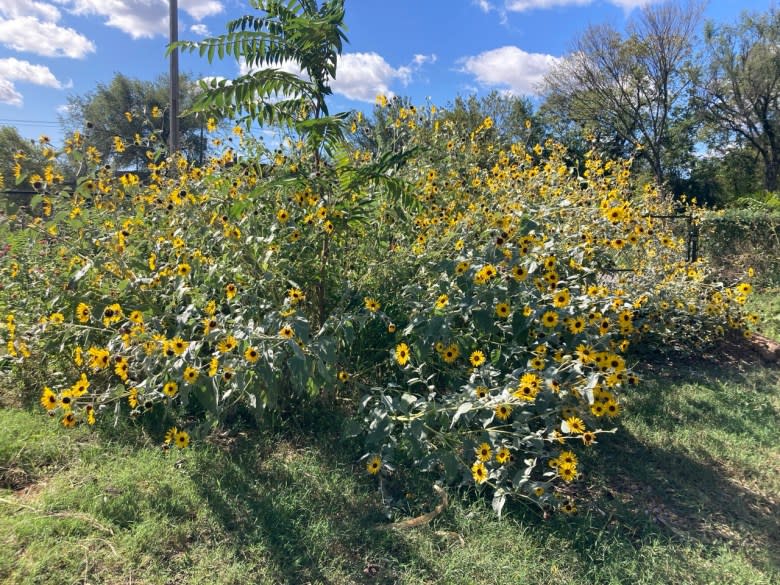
[424, 49]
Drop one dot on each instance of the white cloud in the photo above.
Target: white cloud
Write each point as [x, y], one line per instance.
[363, 76]
[15, 70]
[629, 5]
[138, 18]
[199, 9]
[143, 18]
[420, 60]
[484, 5]
[8, 94]
[17, 8]
[29, 34]
[200, 30]
[511, 68]
[526, 5]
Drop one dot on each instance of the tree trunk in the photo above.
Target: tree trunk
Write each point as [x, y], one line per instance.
[771, 172]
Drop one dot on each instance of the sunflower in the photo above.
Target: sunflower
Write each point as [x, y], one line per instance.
[502, 310]
[562, 298]
[567, 457]
[343, 376]
[374, 465]
[577, 325]
[550, 319]
[190, 374]
[230, 291]
[170, 388]
[98, 358]
[519, 273]
[112, 314]
[209, 323]
[575, 424]
[526, 392]
[251, 355]
[567, 471]
[80, 387]
[402, 354]
[286, 332]
[612, 408]
[568, 507]
[503, 456]
[181, 439]
[442, 301]
[83, 313]
[122, 368]
[295, 295]
[371, 304]
[179, 345]
[48, 399]
[479, 472]
[477, 358]
[503, 411]
[228, 344]
[484, 452]
[450, 353]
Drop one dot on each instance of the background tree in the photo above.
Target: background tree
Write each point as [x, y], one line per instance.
[513, 117]
[11, 143]
[633, 90]
[381, 133]
[739, 93]
[102, 114]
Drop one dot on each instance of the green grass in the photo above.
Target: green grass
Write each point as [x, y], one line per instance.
[767, 304]
[685, 492]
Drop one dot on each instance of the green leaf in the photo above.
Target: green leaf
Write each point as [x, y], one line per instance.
[499, 499]
[462, 409]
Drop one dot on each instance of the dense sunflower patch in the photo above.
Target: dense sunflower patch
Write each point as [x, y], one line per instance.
[481, 299]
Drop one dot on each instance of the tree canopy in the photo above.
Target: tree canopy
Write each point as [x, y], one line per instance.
[134, 110]
[632, 90]
[739, 93]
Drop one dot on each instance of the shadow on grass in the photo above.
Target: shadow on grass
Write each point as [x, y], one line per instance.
[296, 501]
[694, 501]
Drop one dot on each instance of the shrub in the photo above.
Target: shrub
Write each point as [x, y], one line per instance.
[482, 299]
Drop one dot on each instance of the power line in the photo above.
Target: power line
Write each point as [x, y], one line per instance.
[28, 122]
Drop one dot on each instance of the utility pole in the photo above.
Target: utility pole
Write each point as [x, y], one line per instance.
[173, 134]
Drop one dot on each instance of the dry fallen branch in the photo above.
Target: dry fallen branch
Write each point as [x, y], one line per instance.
[424, 518]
